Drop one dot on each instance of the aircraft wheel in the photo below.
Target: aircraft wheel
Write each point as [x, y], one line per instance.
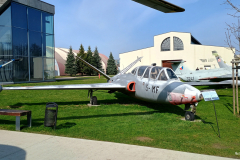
[189, 116]
[94, 100]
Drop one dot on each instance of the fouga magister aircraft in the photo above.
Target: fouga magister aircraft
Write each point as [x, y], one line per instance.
[148, 83]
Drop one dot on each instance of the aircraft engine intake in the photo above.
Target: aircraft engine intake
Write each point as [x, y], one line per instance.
[131, 86]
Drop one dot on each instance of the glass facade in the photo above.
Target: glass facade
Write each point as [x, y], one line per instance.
[28, 34]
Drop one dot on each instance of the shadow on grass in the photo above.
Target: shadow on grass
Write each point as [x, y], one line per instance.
[228, 106]
[211, 124]
[66, 125]
[121, 99]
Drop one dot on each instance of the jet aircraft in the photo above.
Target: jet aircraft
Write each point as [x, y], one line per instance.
[217, 76]
[148, 83]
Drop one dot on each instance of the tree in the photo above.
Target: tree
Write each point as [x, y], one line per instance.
[96, 61]
[70, 66]
[111, 66]
[89, 58]
[80, 64]
[233, 29]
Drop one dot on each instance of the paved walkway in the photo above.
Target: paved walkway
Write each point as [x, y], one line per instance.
[20, 146]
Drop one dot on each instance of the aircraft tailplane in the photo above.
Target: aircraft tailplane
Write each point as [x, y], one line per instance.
[94, 68]
[179, 67]
[221, 63]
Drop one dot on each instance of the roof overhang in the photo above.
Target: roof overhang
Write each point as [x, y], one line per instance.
[161, 5]
[38, 4]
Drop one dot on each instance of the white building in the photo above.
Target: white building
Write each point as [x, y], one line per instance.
[177, 46]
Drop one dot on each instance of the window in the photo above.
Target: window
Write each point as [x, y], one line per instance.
[19, 16]
[177, 43]
[162, 76]
[165, 46]
[20, 45]
[48, 45]
[34, 20]
[154, 72]
[141, 70]
[5, 17]
[49, 68]
[146, 74]
[47, 23]
[134, 71]
[35, 44]
[171, 74]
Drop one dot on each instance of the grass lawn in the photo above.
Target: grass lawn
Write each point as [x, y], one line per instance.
[122, 119]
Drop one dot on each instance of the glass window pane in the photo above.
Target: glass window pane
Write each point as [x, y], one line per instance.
[171, 74]
[5, 17]
[146, 74]
[48, 45]
[6, 71]
[5, 42]
[34, 20]
[36, 69]
[20, 45]
[154, 72]
[134, 71]
[35, 44]
[47, 23]
[19, 15]
[162, 76]
[49, 68]
[141, 70]
[20, 70]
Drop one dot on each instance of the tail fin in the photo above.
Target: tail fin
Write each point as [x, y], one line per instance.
[94, 68]
[221, 63]
[130, 65]
[179, 67]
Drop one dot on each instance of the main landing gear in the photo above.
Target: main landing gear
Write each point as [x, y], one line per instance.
[93, 99]
[190, 115]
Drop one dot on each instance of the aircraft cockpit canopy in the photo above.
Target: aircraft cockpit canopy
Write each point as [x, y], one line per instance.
[171, 74]
[154, 72]
[141, 70]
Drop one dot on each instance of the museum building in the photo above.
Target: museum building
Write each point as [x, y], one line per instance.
[27, 33]
[174, 46]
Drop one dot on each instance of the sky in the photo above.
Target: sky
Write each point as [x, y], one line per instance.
[120, 26]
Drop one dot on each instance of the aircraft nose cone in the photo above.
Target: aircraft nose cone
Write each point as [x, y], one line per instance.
[195, 94]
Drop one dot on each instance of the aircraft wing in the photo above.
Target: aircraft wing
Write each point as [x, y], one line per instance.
[96, 86]
[226, 82]
[218, 78]
[161, 5]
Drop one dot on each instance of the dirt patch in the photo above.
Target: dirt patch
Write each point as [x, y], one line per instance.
[144, 139]
[219, 146]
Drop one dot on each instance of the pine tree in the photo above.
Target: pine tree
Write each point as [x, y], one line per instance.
[89, 58]
[96, 61]
[111, 66]
[80, 64]
[70, 66]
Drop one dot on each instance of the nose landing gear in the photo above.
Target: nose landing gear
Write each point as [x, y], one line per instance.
[190, 115]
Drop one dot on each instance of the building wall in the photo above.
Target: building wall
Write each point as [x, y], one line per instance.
[195, 55]
[26, 33]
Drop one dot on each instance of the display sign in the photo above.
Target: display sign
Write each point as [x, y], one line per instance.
[210, 95]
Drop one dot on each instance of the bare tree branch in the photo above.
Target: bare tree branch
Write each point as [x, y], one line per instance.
[233, 30]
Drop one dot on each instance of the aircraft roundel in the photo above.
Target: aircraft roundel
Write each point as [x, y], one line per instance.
[181, 68]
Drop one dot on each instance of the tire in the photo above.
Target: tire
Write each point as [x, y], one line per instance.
[189, 116]
[94, 100]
